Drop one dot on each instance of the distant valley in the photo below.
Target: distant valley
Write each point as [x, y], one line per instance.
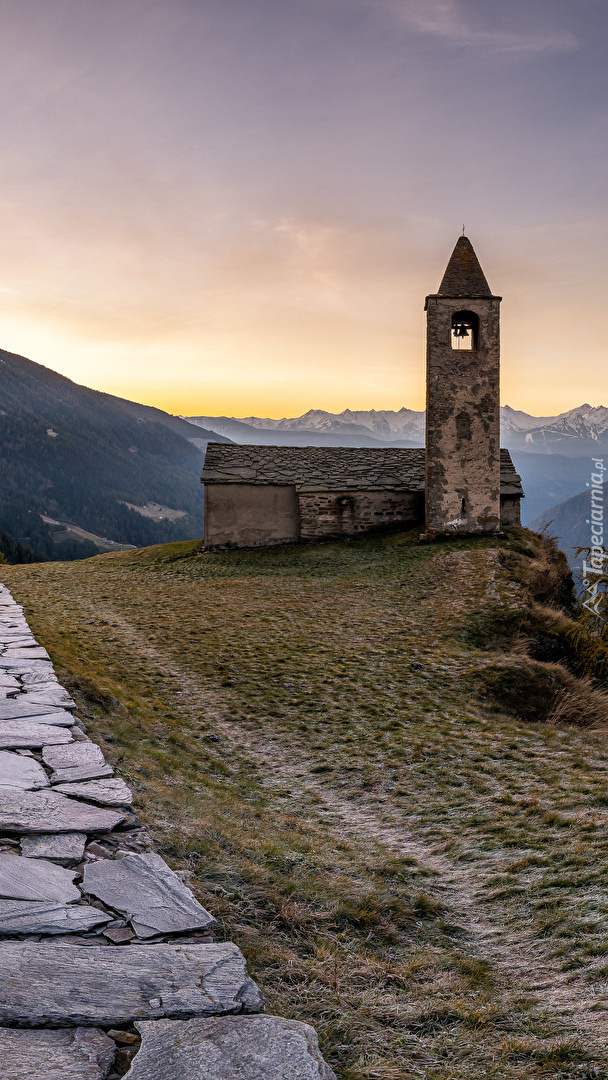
[569, 523]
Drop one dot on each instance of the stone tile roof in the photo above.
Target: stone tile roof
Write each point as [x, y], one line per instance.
[330, 468]
[463, 276]
[510, 480]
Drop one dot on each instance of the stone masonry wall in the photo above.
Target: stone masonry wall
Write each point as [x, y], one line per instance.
[250, 515]
[325, 514]
[463, 429]
[510, 510]
[108, 967]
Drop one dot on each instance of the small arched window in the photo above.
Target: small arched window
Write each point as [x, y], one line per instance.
[465, 331]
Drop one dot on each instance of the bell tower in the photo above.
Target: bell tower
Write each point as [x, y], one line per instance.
[462, 486]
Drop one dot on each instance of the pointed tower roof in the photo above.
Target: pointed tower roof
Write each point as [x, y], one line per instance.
[464, 276]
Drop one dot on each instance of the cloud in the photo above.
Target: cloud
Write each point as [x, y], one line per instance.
[449, 21]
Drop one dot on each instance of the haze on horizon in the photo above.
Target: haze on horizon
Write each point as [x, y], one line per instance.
[226, 207]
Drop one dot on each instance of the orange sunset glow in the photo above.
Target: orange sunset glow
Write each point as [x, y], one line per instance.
[227, 208]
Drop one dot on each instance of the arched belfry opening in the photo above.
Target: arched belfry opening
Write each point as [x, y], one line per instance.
[465, 331]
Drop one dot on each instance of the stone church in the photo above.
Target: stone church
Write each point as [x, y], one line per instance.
[461, 483]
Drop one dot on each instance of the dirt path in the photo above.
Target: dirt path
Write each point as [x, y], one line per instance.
[516, 959]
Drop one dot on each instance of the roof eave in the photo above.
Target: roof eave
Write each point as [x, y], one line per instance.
[459, 296]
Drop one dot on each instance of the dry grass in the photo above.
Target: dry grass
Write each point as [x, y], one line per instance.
[422, 878]
[580, 704]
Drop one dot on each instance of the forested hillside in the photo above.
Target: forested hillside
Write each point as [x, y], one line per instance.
[13, 552]
[76, 454]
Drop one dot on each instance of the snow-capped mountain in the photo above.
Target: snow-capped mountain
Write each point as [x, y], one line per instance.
[576, 432]
[372, 427]
[587, 422]
[384, 422]
[516, 420]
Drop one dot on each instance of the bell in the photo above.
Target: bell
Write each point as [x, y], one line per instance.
[461, 330]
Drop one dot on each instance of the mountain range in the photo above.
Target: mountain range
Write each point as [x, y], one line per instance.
[319, 428]
[77, 456]
[578, 432]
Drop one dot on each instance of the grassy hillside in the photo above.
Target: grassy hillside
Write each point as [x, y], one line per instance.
[78, 455]
[339, 743]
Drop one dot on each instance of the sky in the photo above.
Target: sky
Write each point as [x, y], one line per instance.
[237, 207]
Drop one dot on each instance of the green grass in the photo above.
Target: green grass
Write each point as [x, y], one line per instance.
[308, 733]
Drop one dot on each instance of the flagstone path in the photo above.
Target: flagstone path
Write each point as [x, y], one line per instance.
[101, 943]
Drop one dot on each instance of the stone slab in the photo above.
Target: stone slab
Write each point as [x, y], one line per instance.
[228, 1048]
[50, 917]
[99, 851]
[33, 653]
[21, 772]
[145, 890]
[72, 1054]
[68, 846]
[9, 682]
[17, 709]
[23, 733]
[24, 666]
[105, 792]
[57, 717]
[41, 687]
[66, 984]
[36, 879]
[19, 668]
[119, 934]
[84, 772]
[64, 757]
[40, 678]
[55, 699]
[79, 733]
[50, 812]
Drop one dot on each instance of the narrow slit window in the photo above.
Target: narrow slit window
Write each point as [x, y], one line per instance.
[465, 331]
